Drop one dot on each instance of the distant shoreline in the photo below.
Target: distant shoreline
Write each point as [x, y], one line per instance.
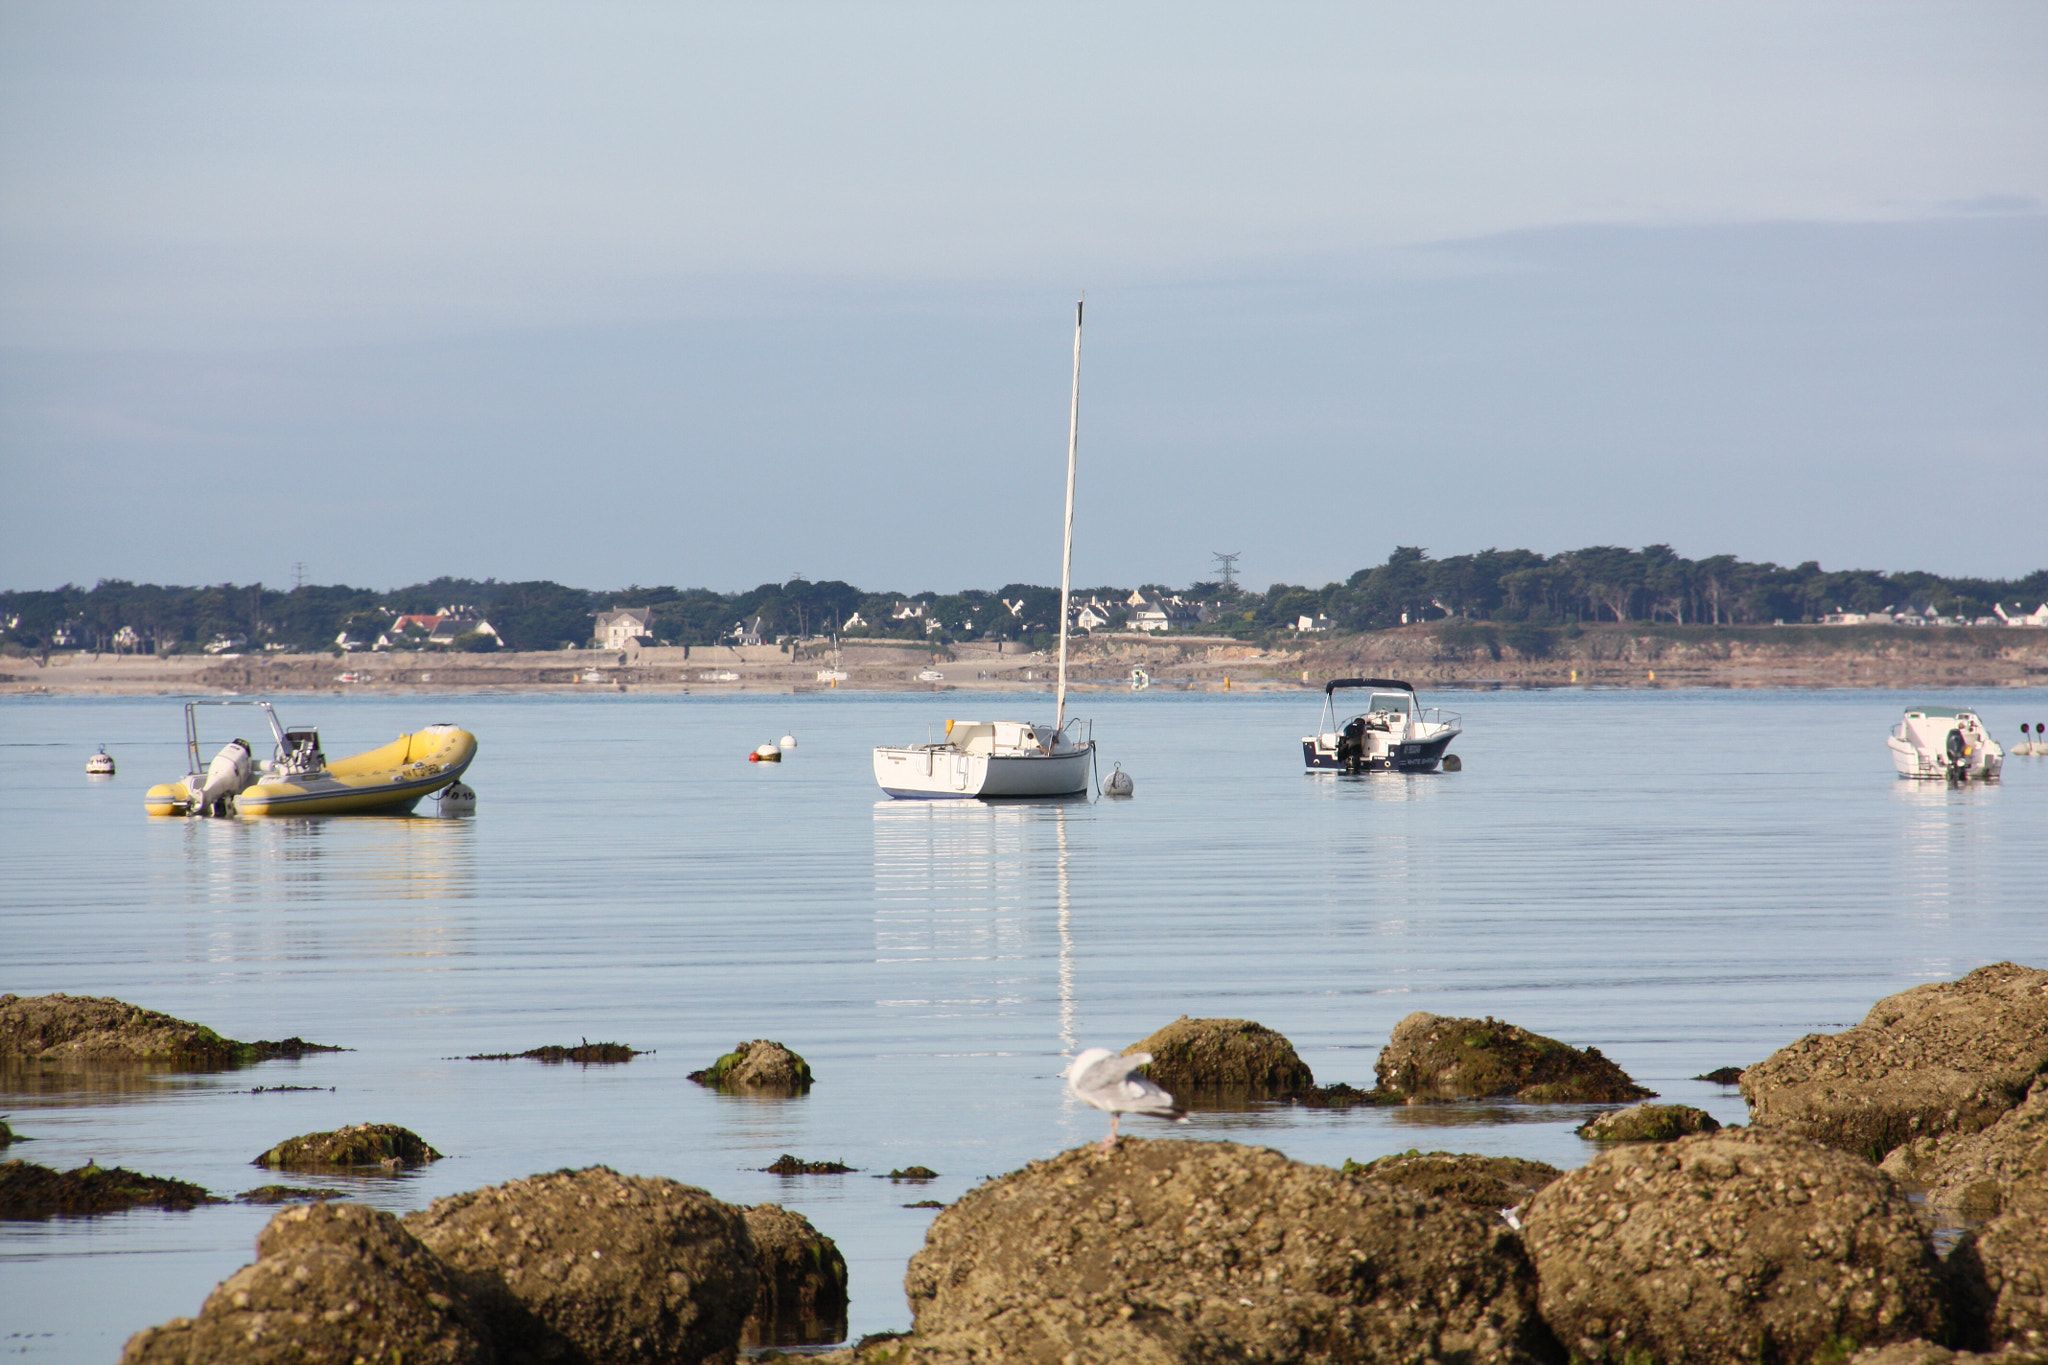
[1615, 656]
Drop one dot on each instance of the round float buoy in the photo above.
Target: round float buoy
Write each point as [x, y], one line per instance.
[457, 798]
[1453, 764]
[1118, 783]
[765, 753]
[786, 742]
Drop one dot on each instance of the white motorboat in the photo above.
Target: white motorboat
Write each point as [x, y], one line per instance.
[930, 675]
[1007, 758]
[1944, 742]
[1393, 733]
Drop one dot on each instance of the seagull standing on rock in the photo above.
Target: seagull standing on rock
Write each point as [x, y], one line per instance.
[1110, 1082]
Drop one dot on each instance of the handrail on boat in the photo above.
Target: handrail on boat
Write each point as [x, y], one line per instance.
[192, 728]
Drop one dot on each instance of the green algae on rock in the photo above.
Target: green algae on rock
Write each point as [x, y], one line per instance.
[8, 1137]
[1478, 1182]
[911, 1173]
[1196, 1056]
[762, 1066]
[1433, 1058]
[28, 1191]
[362, 1144]
[1648, 1123]
[1722, 1075]
[63, 1029]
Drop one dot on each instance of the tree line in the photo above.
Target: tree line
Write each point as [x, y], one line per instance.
[1518, 587]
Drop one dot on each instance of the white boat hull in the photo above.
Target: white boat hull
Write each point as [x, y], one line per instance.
[940, 771]
[1919, 746]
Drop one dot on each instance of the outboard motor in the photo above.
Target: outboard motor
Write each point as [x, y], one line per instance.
[1351, 745]
[227, 777]
[1958, 755]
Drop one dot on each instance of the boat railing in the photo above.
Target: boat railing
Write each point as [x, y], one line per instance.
[192, 729]
[1436, 718]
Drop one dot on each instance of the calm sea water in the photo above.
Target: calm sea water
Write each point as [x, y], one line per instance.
[1686, 879]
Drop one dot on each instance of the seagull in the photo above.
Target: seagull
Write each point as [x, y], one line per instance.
[1110, 1082]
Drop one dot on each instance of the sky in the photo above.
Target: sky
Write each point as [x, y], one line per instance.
[715, 295]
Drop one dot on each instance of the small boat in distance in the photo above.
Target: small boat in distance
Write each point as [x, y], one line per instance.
[298, 779]
[930, 675]
[1945, 742]
[1393, 733]
[1006, 758]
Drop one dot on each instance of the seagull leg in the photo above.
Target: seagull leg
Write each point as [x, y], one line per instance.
[1109, 1143]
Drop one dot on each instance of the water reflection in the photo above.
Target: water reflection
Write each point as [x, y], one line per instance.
[1943, 846]
[218, 862]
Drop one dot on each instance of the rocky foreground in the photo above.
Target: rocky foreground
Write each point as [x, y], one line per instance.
[1783, 1242]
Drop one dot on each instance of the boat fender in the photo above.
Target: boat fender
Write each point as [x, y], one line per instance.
[1453, 764]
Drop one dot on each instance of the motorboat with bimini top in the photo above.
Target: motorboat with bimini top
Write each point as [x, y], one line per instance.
[1007, 758]
[1394, 733]
[299, 780]
[1944, 742]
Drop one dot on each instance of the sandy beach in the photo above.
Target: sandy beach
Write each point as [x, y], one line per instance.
[1602, 656]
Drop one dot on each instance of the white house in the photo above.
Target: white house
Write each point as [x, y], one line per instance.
[909, 611]
[621, 626]
[2037, 617]
[746, 632]
[1318, 622]
[853, 623]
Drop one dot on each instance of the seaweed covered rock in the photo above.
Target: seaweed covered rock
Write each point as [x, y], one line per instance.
[1430, 1057]
[1488, 1183]
[761, 1067]
[802, 1298]
[594, 1265]
[2001, 1275]
[86, 1028]
[1730, 1246]
[1947, 1057]
[6, 1135]
[1204, 1251]
[585, 1053]
[1648, 1123]
[1193, 1056]
[286, 1194]
[361, 1144]
[31, 1191]
[1970, 1176]
[331, 1282]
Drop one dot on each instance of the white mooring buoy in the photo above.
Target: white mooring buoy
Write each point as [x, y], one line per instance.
[786, 742]
[1118, 783]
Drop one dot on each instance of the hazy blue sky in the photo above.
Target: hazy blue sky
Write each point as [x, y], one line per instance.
[714, 295]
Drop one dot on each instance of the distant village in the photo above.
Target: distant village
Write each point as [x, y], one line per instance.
[1520, 593]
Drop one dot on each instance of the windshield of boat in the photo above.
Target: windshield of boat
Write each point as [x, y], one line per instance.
[1397, 702]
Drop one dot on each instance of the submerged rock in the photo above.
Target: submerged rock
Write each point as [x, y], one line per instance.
[1164, 1251]
[286, 1194]
[85, 1028]
[1648, 1123]
[1430, 1057]
[761, 1067]
[1192, 1056]
[587, 1053]
[1722, 1075]
[1948, 1057]
[331, 1282]
[593, 1265]
[362, 1144]
[1730, 1246]
[1489, 1183]
[802, 1298]
[795, 1165]
[31, 1191]
[2001, 1275]
[912, 1173]
[1971, 1176]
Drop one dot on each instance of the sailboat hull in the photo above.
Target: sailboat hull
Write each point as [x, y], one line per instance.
[941, 772]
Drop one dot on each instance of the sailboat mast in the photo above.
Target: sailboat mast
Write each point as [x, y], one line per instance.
[1067, 552]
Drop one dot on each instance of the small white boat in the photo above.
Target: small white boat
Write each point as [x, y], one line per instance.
[1140, 680]
[930, 675]
[1944, 742]
[100, 764]
[1393, 733]
[1006, 758]
[718, 675]
[832, 675]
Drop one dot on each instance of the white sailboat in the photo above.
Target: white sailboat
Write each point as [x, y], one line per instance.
[1006, 758]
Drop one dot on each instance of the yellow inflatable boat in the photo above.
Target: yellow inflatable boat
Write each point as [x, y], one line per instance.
[299, 780]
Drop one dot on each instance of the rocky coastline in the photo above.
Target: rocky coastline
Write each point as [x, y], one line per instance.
[1887, 1204]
